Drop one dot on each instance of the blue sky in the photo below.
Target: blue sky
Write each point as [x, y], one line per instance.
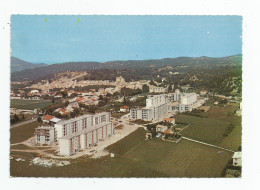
[55, 39]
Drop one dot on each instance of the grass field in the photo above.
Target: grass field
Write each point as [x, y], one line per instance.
[22, 133]
[29, 104]
[211, 127]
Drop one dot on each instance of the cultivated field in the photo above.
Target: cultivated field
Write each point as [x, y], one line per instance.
[22, 133]
[213, 125]
[29, 104]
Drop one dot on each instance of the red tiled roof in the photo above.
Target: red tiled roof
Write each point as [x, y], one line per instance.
[125, 107]
[48, 117]
[169, 131]
[168, 119]
[62, 109]
[80, 99]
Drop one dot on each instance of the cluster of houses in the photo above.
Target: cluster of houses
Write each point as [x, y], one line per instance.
[65, 82]
[74, 135]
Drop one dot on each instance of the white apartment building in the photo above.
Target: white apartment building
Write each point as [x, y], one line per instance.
[181, 101]
[79, 133]
[157, 89]
[45, 135]
[156, 108]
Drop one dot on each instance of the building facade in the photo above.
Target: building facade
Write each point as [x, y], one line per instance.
[156, 108]
[45, 135]
[181, 102]
[82, 132]
[156, 89]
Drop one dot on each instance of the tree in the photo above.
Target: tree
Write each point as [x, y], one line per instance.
[158, 80]
[145, 88]
[100, 97]
[109, 95]
[53, 101]
[72, 114]
[23, 118]
[152, 83]
[16, 118]
[170, 88]
[39, 119]
[92, 109]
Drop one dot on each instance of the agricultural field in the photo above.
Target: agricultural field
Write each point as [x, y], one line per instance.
[135, 157]
[29, 104]
[22, 133]
[215, 126]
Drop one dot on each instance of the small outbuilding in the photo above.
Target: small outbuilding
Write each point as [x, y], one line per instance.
[237, 159]
[124, 109]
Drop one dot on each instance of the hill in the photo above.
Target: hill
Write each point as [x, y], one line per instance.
[187, 63]
[19, 65]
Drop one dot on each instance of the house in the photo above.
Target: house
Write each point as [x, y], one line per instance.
[168, 131]
[237, 159]
[124, 109]
[47, 118]
[34, 91]
[63, 111]
[161, 128]
[58, 96]
[169, 120]
[203, 92]
[72, 105]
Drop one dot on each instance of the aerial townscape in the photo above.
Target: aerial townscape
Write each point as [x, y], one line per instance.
[167, 117]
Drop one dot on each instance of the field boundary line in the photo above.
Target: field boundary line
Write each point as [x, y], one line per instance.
[132, 148]
[207, 144]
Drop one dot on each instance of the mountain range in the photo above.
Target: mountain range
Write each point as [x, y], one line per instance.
[42, 71]
[19, 65]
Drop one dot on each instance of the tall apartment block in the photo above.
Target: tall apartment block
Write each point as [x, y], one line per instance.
[156, 108]
[82, 132]
[76, 134]
[181, 101]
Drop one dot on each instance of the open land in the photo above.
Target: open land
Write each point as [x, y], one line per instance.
[136, 157]
[213, 125]
[29, 104]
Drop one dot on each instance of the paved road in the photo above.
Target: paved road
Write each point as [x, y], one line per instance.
[23, 123]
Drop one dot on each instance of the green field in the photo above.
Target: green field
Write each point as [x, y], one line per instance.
[29, 104]
[22, 133]
[211, 127]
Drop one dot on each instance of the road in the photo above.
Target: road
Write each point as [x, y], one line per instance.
[23, 123]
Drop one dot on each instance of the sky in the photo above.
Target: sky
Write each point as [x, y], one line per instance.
[58, 38]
